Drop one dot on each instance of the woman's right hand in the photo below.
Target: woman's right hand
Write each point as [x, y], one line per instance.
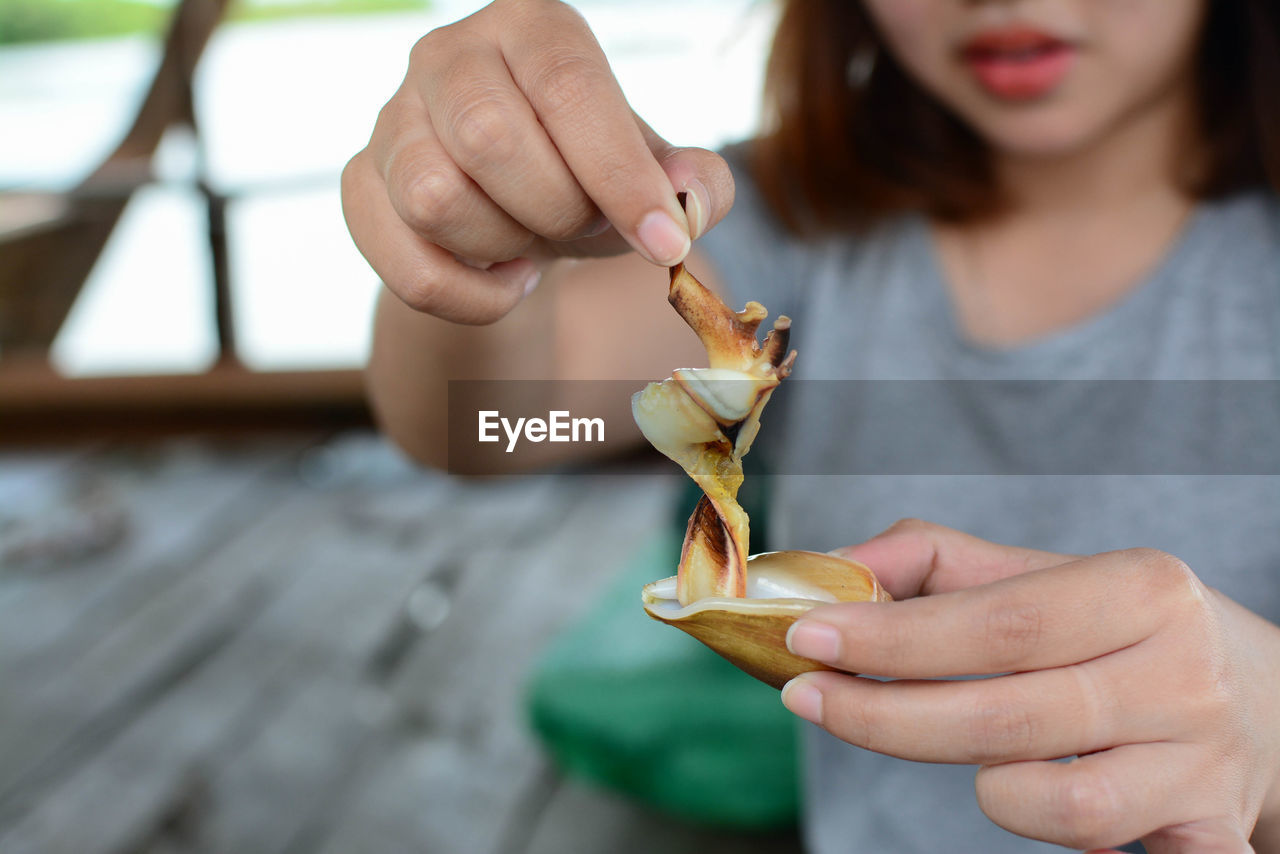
[508, 145]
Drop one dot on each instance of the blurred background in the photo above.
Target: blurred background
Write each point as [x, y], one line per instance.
[285, 91]
[232, 618]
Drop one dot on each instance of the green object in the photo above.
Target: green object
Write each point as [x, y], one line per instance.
[625, 701]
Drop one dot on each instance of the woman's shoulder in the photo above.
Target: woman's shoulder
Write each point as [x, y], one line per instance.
[1243, 226]
[1268, 201]
[1257, 206]
[1239, 237]
[759, 256]
[752, 209]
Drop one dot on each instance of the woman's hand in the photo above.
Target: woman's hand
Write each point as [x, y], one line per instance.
[510, 144]
[1166, 691]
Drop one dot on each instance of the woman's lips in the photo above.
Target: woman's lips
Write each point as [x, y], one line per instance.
[1018, 64]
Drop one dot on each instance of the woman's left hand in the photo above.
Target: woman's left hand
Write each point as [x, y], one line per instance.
[1167, 691]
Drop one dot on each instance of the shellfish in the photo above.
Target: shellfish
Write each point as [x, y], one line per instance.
[706, 420]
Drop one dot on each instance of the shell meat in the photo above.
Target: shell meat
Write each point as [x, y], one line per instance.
[705, 420]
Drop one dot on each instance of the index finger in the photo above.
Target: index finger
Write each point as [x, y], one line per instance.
[1045, 618]
[913, 558]
[578, 101]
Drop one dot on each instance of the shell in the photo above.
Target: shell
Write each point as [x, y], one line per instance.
[752, 632]
[705, 419]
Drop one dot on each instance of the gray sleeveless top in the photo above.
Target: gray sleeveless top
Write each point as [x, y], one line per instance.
[1128, 429]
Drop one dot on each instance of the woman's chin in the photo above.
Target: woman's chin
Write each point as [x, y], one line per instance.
[1044, 137]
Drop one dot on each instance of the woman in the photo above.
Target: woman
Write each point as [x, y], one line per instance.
[1030, 190]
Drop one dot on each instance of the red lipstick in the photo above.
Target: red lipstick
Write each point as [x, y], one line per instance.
[1018, 63]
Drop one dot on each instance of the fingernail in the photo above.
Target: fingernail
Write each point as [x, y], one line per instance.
[818, 641]
[531, 283]
[803, 699]
[663, 240]
[697, 204]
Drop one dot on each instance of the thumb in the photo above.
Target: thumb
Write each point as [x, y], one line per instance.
[702, 175]
[915, 558]
[704, 178]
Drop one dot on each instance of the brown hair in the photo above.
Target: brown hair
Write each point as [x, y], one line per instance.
[840, 152]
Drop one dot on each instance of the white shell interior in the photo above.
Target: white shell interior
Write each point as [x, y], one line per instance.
[729, 394]
[774, 582]
[757, 588]
[671, 420]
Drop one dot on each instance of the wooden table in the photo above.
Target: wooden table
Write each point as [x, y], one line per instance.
[295, 645]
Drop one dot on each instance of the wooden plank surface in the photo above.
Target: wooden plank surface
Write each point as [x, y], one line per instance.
[177, 503]
[85, 744]
[294, 588]
[129, 630]
[307, 647]
[467, 758]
